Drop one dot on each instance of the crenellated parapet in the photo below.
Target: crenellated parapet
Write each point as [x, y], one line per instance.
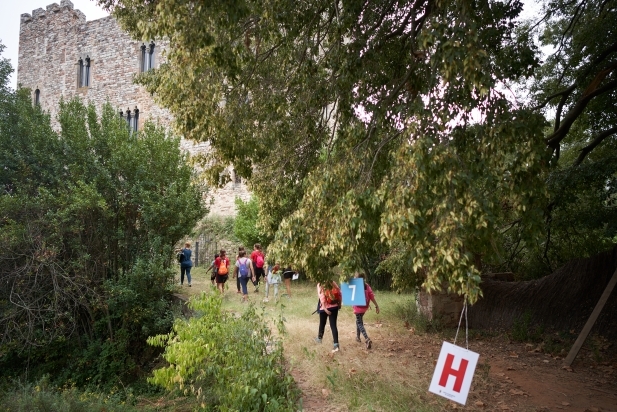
[51, 10]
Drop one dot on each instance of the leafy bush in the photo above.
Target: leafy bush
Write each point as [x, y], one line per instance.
[88, 220]
[226, 362]
[245, 225]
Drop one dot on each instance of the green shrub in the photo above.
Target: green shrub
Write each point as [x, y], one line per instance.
[228, 362]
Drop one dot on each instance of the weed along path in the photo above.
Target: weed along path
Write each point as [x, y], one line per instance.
[395, 374]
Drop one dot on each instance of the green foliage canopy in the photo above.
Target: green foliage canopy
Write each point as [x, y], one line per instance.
[352, 120]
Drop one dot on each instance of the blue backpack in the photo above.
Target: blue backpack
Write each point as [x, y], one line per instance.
[243, 269]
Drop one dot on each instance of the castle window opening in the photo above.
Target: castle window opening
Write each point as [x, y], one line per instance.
[84, 72]
[135, 124]
[37, 97]
[147, 57]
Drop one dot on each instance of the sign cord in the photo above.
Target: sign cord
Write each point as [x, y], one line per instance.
[464, 311]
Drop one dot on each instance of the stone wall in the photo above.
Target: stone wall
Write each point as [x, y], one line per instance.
[441, 306]
[51, 43]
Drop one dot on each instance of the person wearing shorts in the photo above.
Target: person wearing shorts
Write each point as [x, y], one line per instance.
[222, 270]
[287, 275]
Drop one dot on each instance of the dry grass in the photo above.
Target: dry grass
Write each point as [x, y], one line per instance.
[387, 378]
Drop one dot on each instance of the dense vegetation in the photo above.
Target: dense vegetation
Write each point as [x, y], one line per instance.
[88, 219]
[388, 128]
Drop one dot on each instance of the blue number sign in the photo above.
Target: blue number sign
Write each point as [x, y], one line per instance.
[353, 292]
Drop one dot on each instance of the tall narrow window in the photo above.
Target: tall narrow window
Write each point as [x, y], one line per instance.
[135, 119]
[151, 56]
[37, 97]
[129, 120]
[84, 72]
[80, 72]
[143, 61]
[87, 73]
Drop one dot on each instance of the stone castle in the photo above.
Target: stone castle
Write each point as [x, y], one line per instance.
[63, 55]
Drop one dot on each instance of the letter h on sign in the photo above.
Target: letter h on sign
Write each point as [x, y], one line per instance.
[455, 389]
[448, 371]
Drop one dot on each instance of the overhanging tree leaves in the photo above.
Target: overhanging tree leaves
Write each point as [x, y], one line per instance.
[354, 121]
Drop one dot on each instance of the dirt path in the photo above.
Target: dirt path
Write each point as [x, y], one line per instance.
[509, 377]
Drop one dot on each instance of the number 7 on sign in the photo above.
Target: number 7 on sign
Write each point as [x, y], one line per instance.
[350, 297]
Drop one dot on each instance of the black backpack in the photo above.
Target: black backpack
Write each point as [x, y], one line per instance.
[180, 256]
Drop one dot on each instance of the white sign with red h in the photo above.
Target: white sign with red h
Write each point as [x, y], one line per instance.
[454, 373]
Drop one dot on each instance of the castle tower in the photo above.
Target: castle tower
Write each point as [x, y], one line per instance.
[61, 55]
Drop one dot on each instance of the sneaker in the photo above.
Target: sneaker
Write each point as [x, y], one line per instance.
[266, 300]
[189, 285]
[238, 292]
[368, 344]
[317, 340]
[358, 339]
[336, 348]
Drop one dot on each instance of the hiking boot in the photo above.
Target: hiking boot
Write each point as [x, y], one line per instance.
[358, 339]
[368, 344]
[317, 340]
[336, 348]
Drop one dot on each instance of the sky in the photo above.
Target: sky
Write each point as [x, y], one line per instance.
[10, 12]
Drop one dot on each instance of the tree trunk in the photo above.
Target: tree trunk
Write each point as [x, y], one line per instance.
[563, 300]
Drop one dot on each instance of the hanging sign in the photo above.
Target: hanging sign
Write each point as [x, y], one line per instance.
[454, 373]
[353, 292]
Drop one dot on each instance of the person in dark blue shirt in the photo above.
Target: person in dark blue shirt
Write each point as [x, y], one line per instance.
[186, 263]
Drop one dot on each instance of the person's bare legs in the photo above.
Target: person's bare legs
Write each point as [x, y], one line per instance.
[221, 287]
[288, 286]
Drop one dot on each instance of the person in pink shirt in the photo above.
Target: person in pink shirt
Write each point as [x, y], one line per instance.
[359, 311]
[330, 300]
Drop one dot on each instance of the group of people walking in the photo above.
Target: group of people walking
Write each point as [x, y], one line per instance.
[252, 269]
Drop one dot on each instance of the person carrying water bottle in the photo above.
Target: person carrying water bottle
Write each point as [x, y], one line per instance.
[245, 272]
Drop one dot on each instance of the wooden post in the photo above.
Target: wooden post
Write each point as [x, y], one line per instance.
[591, 321]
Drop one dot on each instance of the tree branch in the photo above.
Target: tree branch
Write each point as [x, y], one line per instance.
[599, 138]
[590, 92]
[552, 96]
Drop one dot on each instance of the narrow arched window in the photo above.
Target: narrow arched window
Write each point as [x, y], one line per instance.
[87, 73]
[80, 71]
[129, 120]
[135, 119]
[37, 97]
[84, 72]
[151, 56]
[143, 62]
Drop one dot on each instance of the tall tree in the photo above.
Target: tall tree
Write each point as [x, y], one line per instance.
[354, 119]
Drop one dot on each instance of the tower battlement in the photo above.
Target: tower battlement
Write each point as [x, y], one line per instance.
[65, 6]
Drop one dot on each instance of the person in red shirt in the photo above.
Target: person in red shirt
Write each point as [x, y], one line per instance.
[259, 259]
[222, 270]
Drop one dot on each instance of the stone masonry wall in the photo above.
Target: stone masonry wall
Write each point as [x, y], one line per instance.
[445, 307]
[52, 41]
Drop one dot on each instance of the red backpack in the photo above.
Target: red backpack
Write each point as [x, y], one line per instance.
[333, 296]
[259, 261]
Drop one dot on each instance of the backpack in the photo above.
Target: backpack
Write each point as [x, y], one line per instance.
[180, 256]
[223, 267]
[333, 296]
[243, 268]
[259, 261]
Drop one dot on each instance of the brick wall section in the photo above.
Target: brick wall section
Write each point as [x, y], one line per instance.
[52, 41]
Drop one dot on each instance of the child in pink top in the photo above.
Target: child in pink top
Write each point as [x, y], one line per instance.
[359, 311]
